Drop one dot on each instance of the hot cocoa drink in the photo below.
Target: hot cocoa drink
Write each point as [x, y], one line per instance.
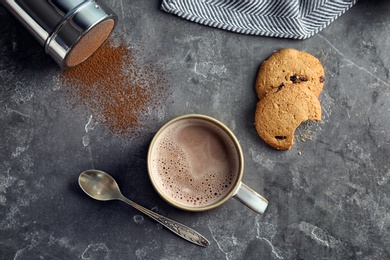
[194, 162]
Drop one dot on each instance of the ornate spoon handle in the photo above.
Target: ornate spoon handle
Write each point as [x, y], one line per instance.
[176, 227]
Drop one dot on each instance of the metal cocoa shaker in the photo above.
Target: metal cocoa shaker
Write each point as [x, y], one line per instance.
[69, 30]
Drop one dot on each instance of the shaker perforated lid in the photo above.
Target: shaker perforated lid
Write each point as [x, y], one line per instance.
[69, 30]
[81, 31]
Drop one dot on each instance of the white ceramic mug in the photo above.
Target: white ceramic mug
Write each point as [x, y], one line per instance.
[196, 163]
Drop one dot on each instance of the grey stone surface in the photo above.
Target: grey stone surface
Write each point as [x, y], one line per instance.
[329, 196]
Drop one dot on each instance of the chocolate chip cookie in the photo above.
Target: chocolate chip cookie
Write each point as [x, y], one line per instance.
[282, 110]
[286, 66]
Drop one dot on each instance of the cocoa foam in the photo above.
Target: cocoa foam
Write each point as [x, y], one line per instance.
[195, 163]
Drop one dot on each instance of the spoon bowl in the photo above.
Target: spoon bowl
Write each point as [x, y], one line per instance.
[101, 186]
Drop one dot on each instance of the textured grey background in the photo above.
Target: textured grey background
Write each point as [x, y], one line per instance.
[329, 197]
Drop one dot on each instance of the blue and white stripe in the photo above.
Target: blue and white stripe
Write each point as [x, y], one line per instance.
[297, 19]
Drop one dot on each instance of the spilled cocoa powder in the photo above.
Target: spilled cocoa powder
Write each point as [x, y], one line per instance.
[118, 89]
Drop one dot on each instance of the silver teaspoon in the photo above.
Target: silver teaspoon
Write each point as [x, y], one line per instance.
[101, 186]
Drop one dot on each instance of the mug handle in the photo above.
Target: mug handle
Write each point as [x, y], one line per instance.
[251, 198]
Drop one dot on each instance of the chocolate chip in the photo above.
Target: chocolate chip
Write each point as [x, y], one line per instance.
[280, 87]
[303, 78]
[281, 137]
[322, 79]
[294, 78]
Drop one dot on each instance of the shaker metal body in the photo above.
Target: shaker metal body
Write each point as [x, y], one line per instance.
[70, 30]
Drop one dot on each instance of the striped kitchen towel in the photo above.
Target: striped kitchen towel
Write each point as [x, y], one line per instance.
[297, 19]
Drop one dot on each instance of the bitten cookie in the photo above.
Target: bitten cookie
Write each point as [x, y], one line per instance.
[290, 66]
[279, 113]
